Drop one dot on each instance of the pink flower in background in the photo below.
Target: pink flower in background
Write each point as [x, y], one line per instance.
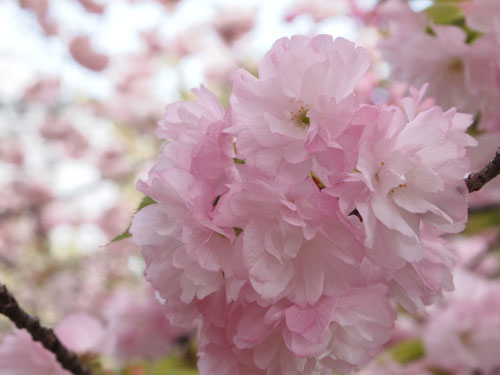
[233, 23]
[137, 327]
[82, 51]
[466, 329]
[319, 10]
[81, 333]
[483, 16]
[93, 6]
[20, 355]
[11, 151]
[66, 135]
[443, 65]
[461, 73]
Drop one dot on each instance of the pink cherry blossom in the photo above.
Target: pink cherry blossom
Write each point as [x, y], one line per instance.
[292, 240]
[411, 168]
[294, 339]
[287, 224]
[299, 107]
[186, 182]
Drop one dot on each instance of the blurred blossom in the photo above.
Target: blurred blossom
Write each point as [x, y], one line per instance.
[463, 336]
[475, 251]
[20, 355]
[80, 332]
[41, 10]
[232, 23]
[11, 151]
[114, 220]
[93, 6]
[186, 42]
[317, 9]
[387, 366]
[18, 196]
[45, 90]
[60, 130]
[137, 327]
[483, 15]
[114, 163]
[83, 52]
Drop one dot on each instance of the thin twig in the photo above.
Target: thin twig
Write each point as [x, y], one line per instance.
[46, 336]
[477, 180]
[476, 261]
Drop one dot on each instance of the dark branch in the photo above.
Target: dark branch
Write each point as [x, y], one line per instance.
[477, 180]
[46, 336]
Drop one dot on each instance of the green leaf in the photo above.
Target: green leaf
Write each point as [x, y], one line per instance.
[408, 351]
[479, 220]
[239, 161]
[122, 236]
[472, 35]
[145, 201]
[438, 371]
[444, 13]
[169, 366]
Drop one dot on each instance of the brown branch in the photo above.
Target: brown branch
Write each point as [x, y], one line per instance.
[476, 261]
[477, 180]
[46, 336]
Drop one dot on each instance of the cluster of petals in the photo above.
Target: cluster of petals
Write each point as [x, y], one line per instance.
[287, 225]
[466, 328]
[462, 72]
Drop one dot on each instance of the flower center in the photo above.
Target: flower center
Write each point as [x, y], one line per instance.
[456, 66]
[300, 117]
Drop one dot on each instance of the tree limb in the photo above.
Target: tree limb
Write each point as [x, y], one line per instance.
[46, 336]
[477, 180]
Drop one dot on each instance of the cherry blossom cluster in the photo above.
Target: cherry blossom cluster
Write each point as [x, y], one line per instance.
[289, 225]
[456, 51]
